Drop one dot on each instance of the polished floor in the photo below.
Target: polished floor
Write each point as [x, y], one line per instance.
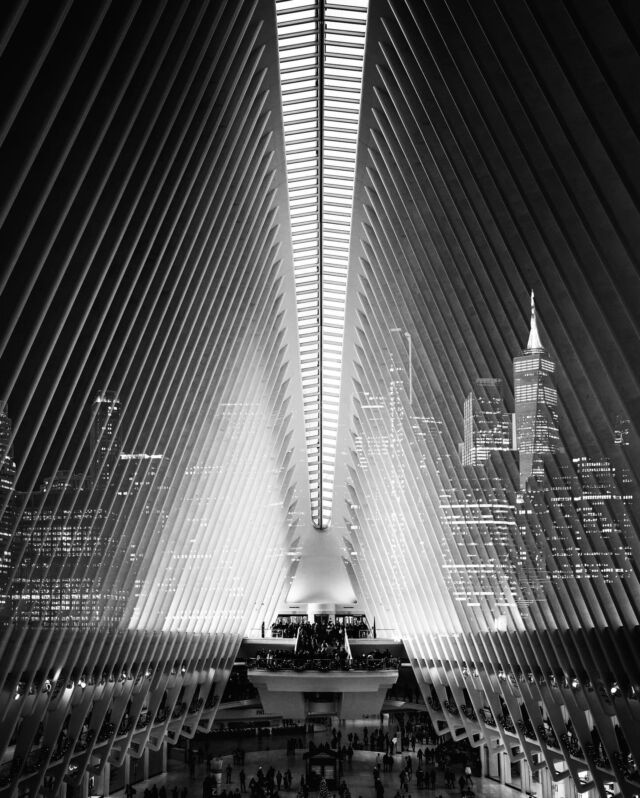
[359, 776]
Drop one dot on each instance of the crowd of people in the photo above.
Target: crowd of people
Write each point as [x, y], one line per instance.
[408, 747]
[320, 637]
[288, 627]
[359, 628]
[405, 737]
[405, 748]
[271, 783]
[325, 659]
[375, 660]
[154, 792]
[261, 785]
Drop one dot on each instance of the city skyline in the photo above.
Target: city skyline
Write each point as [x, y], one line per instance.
[320, 309]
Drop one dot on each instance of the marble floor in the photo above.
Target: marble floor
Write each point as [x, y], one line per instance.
[358, 775]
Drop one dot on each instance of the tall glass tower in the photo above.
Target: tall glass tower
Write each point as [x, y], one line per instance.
[105, 442]
[487, 425]
[7, 499]
[536, 403]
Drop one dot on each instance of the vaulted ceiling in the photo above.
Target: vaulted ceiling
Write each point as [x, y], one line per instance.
[290, 236]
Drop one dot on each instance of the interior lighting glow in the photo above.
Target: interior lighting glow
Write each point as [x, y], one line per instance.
[321, 49]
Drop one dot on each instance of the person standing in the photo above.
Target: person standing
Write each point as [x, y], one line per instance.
[243, 781]
[467, 774]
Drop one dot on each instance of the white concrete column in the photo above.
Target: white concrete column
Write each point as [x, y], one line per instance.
[106, 780]
[82, 789]
[496, 762]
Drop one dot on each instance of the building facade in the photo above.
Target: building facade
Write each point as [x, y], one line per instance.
[536, 404]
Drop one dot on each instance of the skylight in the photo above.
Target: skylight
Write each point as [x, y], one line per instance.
[321, 46]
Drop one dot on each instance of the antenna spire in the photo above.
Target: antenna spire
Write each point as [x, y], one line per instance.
[534, 336]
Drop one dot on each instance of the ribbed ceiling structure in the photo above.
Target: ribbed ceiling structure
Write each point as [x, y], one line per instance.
[498, 153]
[150, 359]
[217, 234]
[321, 47]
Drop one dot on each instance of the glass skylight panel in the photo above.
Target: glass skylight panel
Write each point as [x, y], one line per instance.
[321, 48]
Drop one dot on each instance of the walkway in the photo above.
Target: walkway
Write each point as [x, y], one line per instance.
[358, 776]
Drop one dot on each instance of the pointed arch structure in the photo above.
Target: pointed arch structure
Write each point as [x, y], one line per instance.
[266, 272]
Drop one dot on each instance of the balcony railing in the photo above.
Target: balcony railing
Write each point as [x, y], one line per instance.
[451, 708]
[469, 712]
[526, 727]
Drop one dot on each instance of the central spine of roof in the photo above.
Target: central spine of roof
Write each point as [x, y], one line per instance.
[321, 46]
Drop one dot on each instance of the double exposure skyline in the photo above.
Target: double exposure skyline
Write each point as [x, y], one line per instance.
[322, 310]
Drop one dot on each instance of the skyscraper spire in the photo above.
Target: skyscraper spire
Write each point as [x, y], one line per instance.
[534, 336]
[536, 404]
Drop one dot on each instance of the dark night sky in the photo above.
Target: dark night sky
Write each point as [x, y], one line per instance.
[78, 222]
[88, 138]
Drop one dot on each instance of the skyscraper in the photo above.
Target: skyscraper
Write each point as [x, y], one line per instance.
[536, 400]
[7, 500]
[487, 425]
[57, 553]
[105, 441]
[136, 515]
